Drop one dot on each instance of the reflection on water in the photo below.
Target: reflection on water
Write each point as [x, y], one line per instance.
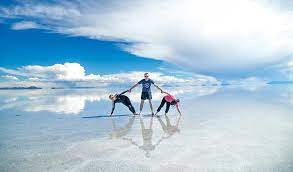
[146, 132]
[74, 101]
[168, 127]
[221, 129]
[120, 132]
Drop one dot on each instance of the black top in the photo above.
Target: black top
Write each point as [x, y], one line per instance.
[120, 98]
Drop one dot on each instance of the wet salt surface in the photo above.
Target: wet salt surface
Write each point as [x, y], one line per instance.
[222, 129]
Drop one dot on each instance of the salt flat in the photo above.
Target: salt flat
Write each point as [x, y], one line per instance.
[222, 129]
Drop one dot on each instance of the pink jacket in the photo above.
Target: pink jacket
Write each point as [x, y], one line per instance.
[169, 98]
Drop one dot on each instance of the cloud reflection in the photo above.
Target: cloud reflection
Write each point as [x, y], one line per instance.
[66, 101]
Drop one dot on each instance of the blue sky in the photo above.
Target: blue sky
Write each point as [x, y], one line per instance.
[38, 47]
[225, 39]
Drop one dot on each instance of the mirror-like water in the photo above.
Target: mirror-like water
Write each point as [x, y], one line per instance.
[221, 129]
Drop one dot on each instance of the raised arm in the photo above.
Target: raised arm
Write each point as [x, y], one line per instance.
[113, 108]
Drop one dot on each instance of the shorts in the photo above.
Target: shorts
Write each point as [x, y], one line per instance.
[146, 95]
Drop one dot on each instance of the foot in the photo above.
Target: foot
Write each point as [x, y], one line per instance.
[156, 113]
[134, 114]
[153, 114]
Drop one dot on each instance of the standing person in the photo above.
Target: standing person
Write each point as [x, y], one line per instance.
[146, 91]
[120, 98]
[169, 100]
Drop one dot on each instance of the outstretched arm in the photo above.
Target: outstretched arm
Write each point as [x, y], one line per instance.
[124, 92]
[113, 108]
[135, 85]
[166, 92]
[158, 88]
[131, 141]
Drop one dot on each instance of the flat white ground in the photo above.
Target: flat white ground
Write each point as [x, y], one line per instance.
[221, 129]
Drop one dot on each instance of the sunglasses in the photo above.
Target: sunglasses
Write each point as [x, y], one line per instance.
[146, 76]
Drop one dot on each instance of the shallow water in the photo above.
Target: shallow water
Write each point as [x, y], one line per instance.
[221, 129]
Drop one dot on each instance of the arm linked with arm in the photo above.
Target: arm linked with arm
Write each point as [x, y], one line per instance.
[135, 85]
[123, 92]
[166, 93]
[158, 88]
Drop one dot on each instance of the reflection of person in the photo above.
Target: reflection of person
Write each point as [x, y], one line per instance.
[147, 134]
[146, 91]
[168, 100]
[120, 98]
[168, 128]
[120, 132]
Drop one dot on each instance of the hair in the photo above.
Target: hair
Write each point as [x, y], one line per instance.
[146, 73]
[110, 96]
[174, 102]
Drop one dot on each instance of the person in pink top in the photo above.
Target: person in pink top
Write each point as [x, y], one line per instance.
[169, 100]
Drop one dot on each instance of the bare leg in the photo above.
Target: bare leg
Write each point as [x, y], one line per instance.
[151, 106]
[141, 106]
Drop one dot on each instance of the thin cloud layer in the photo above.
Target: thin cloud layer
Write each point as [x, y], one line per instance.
[207, 36]
[25, 25]
[9, 77]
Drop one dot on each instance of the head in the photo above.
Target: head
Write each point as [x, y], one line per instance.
[174, 102]
[146, 76]
[112, 97]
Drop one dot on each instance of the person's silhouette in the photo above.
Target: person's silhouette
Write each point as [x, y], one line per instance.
[147, 134]
[168, 128]
[120, 132]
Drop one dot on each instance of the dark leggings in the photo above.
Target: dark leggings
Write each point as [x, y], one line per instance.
[162, 104]
[129, 105]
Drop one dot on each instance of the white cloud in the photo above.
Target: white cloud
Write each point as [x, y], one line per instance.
[66, 71]
[73, 74]
[9, 77]
[33, 79]
[25, 25]
[208, 36]
[38, 10]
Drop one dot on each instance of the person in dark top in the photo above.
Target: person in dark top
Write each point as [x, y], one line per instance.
[146, 91]
[120, 98]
